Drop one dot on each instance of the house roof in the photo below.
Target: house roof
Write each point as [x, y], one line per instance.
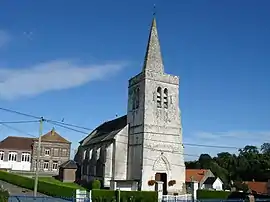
[16, 143]
[210, 180]
[105, 131]
[53, 136]
[258, 187]
[195, 174]
[70, 164]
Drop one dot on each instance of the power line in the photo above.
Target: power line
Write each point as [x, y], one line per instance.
[68, 126]
[17, 130]
[15, 122]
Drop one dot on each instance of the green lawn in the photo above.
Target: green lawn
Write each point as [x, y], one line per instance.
[55, 181]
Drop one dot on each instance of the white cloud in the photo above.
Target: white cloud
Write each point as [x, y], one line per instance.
[49, 76]
[236, 139]
[4, 38]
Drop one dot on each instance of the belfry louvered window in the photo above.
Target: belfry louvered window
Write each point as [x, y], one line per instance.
[159, 97]
[165, 98]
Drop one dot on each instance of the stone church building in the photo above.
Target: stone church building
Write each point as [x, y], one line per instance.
[132, 151]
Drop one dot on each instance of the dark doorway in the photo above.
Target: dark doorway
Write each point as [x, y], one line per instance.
[162, 177]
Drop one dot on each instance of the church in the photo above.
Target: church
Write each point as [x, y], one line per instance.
[143, 147]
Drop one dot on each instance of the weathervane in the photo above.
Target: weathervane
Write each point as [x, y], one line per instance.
[154, 10]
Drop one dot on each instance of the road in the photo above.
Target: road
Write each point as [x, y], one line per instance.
[19, 194]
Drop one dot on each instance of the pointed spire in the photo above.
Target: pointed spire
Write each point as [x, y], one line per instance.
[153, 59]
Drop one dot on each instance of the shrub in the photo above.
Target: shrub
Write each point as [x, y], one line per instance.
[125, 196]
[96, 184]
[209, 194]
[48, 188]
[3, 195]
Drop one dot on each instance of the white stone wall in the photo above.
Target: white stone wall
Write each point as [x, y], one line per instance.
[155, 134]
[15, 165]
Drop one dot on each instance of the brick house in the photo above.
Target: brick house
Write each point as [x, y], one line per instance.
[20, 153]
[55, 150]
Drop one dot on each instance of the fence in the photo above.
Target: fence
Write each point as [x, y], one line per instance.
[45, 199]
[178, 198]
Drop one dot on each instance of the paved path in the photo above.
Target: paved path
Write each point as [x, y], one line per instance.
[19, 194]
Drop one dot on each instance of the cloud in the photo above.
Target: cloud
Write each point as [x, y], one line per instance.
[51, 76]
[4, 38]
[220, 140]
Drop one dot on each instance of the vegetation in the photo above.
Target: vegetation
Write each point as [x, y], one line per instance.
[250, 164]
[58, 182]
[125, 196]
[96, 184]
[208, 194]
[3, 195]
[45, 187]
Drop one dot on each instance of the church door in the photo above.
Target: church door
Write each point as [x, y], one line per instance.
[162, 177]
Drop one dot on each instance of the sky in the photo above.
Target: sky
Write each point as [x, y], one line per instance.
[72, 60]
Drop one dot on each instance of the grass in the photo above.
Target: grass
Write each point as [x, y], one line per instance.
[58, 182]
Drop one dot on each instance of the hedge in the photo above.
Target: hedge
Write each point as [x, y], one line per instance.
[125, 196]
[48, 188]
[209, 194]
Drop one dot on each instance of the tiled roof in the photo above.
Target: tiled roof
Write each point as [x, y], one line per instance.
[106, 131]
[195, 174]
[210, 180]
[70, 164]
[258, 187]
[53, 136]
[16, 143]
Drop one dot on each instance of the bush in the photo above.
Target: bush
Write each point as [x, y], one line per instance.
[48, 188]
[96, 184]
[209, 194]
[3, 195]
[125, 196]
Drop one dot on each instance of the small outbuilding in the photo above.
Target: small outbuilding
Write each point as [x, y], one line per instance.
[67, 171]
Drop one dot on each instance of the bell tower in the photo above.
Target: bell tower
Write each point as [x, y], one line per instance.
[155, 149]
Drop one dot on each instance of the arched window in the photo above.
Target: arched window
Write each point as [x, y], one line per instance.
[159, 97]
[165, 98]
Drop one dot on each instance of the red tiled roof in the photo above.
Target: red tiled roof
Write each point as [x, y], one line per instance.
[195, 174]
[16, 143]
[258, 187]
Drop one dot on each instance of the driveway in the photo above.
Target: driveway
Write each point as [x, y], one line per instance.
[19, 194]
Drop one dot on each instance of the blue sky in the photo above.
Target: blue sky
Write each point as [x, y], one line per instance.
[72, 59]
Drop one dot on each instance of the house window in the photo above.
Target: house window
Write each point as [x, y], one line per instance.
[55, 165]
[47, 152]
[2, 155]
[46, 165]
[165, 98]
[56, 152]
[12, 156]
[64, 152]
[25, 157]
[159, 97]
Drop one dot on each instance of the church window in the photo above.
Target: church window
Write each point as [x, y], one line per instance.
[159, 97]
[165, 98]
[137, 98]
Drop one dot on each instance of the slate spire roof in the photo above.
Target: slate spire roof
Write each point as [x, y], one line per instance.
[153, 59]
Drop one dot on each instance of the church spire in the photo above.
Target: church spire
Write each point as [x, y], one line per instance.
[153, 59]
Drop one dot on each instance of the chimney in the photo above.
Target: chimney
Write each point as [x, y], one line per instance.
[53, 131]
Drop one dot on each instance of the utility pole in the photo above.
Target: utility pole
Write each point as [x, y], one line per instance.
[38, 155]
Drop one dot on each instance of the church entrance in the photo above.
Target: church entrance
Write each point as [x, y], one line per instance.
[163, 178]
